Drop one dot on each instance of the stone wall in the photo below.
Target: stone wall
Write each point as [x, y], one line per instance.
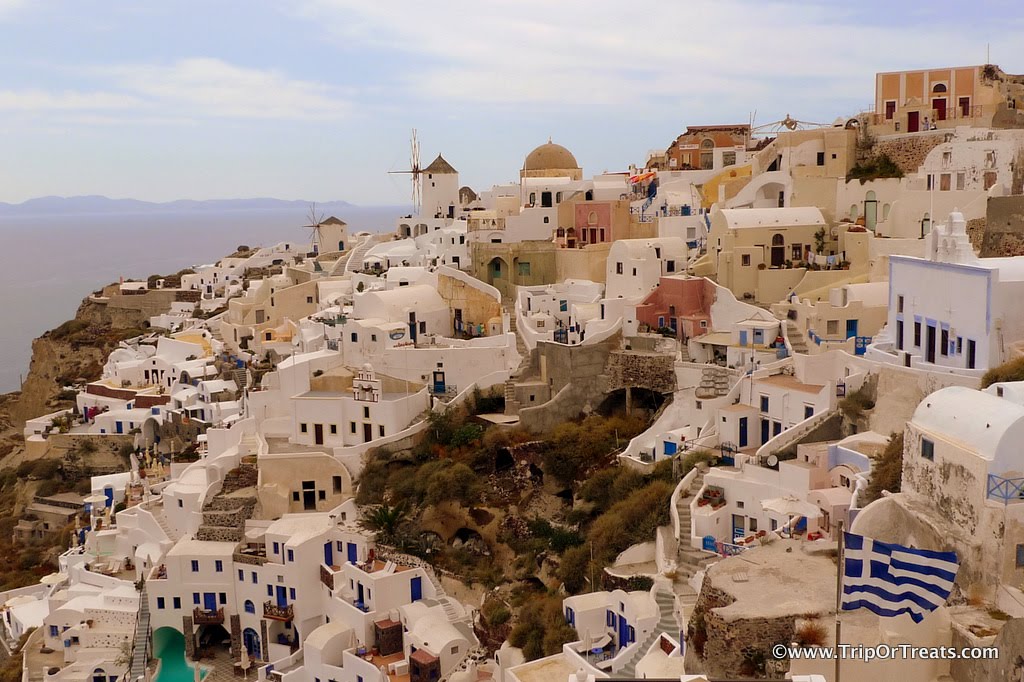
[1003, 227]
[638, 369]
[1009, 666]
[909, 152]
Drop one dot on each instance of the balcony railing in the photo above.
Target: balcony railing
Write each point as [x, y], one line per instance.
[204, 617]
[1005, 490]
[326, 577]
[275, 612]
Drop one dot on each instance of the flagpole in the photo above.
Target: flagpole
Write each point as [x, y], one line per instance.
[839, 598]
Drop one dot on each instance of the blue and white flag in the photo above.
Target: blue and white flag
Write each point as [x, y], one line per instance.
[891, 579]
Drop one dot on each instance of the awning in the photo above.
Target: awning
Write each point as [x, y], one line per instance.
[715, 339]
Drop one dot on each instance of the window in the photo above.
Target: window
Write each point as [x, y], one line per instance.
[670, 266]
[177, 602]
[160, 603]
[303, 428]
[309, 299]
[55, 632]
[270, 590]
[249, 606]
[618, 268]
[352, 427]
[808, 411]
[334, 429]
[380, 430]
[832, 327]
[291, 593]
[821, 158]
[321, 494]
[764, 403]
[944, 342]
[355, 337]
[254, 577]
[961, 180]
[366, 412]
[928, 449]
[728, 158]
[917, 333]
[336, 483]
[899, 304]
[524, 269]
[745, 260]
[277, 548]
[222, 597]
[195, 597]
[218, 566]
[291, 555]
[739, 504]
[1020, 556]
[455, 650]
[195, 566]
[241, 575]
[753, 524]
[797, 251]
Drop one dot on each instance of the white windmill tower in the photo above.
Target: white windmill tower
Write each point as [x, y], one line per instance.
[315, 220]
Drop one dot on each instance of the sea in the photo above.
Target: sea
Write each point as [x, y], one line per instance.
[51, 262]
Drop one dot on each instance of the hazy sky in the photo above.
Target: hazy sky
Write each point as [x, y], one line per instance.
[203, 99]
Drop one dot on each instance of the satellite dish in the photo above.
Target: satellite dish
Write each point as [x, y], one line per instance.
[772, 461]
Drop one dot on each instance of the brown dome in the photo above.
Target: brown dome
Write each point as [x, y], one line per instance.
[550, 156]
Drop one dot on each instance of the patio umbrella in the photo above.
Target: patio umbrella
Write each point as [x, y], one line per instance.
[53, 578]
[244, 663]
[384, 674]
[791, 505]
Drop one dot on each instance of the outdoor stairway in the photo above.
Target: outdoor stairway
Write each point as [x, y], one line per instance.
[354, 263]
[797, 341]
[512, 405]
[241, 377]
[689, 560]
[714, 383]
[684, 353]
[140, 648]
[224, 516]
[667, 624]
[161, 521]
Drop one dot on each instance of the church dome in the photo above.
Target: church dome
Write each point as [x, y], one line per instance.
[550, 156]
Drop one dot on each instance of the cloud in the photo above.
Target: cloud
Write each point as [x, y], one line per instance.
[603, 53]
[188, 89]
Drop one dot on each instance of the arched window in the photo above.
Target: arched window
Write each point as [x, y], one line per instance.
[560, 232]
[707, 144]
[592, 218]
[854, 212]
[939, 87]
[533, 198]
[99, 675]
[249, 606]
[885, 211]
[777, 240]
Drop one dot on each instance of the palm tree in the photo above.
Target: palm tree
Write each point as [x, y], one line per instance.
[385, 520]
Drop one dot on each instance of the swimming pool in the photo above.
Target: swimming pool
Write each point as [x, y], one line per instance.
[169, 647]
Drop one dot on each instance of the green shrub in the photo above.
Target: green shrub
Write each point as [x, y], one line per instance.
[878, 166]
[886, 470]
[48, 487]
[69, 328]
[44, 469]
[1012, 370]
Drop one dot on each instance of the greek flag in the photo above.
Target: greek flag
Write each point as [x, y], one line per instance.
[891, 579]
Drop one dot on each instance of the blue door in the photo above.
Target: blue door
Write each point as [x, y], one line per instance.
[438, 382]
[765, 431]
[758, 336]
[743, 337]
[776, 428]
[670, 448]
[329, 553]
[282, 596]
[108, 492]
[416, 588]
[623, 632]
[851, 328]
[360, 586]
[743, 432]
[252, 642]
[210, 601]
[118, 427]
[352, 556]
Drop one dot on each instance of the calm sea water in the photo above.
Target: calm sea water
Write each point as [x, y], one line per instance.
[50, 263]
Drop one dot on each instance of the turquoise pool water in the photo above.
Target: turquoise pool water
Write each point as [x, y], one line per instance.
[169, 647]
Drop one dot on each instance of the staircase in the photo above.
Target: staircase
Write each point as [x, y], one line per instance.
[684, 353]
[796, 337]
[667, 624]
[714, 383]
[241, 377]
[689, 560]
[512, 405]
[140, 648]
[354, 263]
[161, 521]
[224, 516]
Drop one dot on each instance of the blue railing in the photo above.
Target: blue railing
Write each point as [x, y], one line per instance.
[1005, 489]
[710, 544]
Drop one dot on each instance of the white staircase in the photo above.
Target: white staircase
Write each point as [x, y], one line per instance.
[354, 262]
[161, 521]
[140, 648]
[667, 624]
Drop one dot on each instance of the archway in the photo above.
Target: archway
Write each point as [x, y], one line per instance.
[870, 210]
[778, 250]
[251, 640]
[497, 270]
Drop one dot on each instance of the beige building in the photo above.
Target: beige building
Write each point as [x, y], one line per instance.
[979, 96]
[847, 320]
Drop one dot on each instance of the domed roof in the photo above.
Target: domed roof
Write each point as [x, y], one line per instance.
[550, 156]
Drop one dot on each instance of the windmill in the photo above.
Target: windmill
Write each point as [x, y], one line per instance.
[315, 221]
[414, 171]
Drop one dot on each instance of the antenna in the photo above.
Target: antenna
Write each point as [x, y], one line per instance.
[414, 171]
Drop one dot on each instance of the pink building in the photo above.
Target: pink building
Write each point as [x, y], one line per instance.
[681, 303]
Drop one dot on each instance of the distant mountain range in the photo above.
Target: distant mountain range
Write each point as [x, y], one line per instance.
[101, 204]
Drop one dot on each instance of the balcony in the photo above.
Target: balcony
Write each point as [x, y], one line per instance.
[327, 577]
[204, 617]
[275, 612]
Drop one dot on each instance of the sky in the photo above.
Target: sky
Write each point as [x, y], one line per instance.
[315, 99]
